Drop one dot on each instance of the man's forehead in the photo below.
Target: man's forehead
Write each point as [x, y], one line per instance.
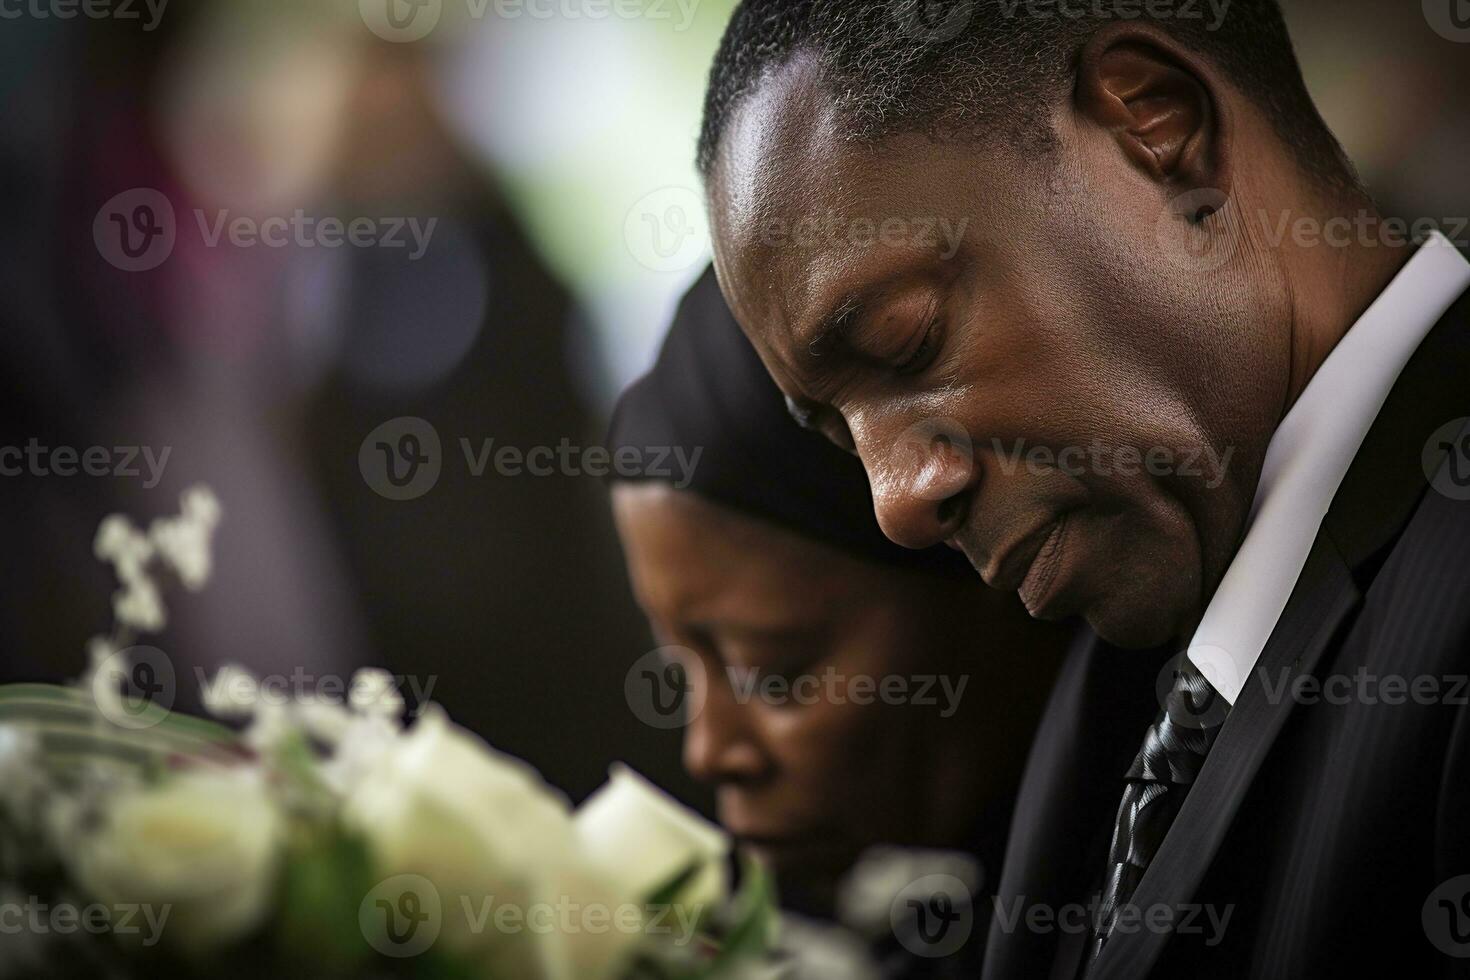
[777, 141]
[783, 163]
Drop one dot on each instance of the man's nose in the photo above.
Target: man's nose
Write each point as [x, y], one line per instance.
[720, 744]
[921, 480]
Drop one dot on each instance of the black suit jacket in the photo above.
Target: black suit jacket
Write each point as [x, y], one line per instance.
[1321, 826]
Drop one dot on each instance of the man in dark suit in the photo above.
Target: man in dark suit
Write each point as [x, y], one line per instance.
[1097, 299]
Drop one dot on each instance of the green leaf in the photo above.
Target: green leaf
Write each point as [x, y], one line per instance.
[328, 870]
[754, 929]
[71, 729]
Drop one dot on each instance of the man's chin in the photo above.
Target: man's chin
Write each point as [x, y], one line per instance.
[1133, 626]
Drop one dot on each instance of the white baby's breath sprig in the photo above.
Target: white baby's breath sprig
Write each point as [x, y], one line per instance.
[270, 727]
[355, 732]
[235, 695]
[119, 542]
[104, 660]
[183, 541]
[375, 692]
[232, 695]
[138, 605]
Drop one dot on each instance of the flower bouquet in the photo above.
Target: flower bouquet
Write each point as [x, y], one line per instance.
[327, 838]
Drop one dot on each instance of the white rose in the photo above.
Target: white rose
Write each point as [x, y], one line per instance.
[481, 825]
[600, 928]
[640, 838]
[200, 850]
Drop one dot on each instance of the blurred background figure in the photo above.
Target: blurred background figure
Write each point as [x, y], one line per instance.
[259, 357]
[543, 151]
[769, 583]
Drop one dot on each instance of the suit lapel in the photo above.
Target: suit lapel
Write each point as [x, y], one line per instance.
[1102, 697]
[1324, 596]
[1378, 496]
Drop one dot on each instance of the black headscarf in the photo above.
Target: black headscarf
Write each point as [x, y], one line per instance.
[709, 390]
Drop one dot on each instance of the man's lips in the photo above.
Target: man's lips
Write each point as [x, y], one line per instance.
[1036, 586]
[1009, 568]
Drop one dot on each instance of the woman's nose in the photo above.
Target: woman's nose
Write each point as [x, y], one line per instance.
[720, 744]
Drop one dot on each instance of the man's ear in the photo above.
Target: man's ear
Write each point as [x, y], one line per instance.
[1160, 102]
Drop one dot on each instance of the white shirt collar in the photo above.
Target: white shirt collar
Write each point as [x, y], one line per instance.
[1309, 455]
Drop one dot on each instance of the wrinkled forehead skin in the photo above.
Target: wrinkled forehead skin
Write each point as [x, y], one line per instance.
[776, 152]
[800, 213]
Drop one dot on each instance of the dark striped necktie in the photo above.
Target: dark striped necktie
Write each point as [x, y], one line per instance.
[1174, 749]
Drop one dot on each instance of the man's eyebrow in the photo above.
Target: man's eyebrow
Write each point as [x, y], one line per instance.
[829, 330]
[819, 341]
